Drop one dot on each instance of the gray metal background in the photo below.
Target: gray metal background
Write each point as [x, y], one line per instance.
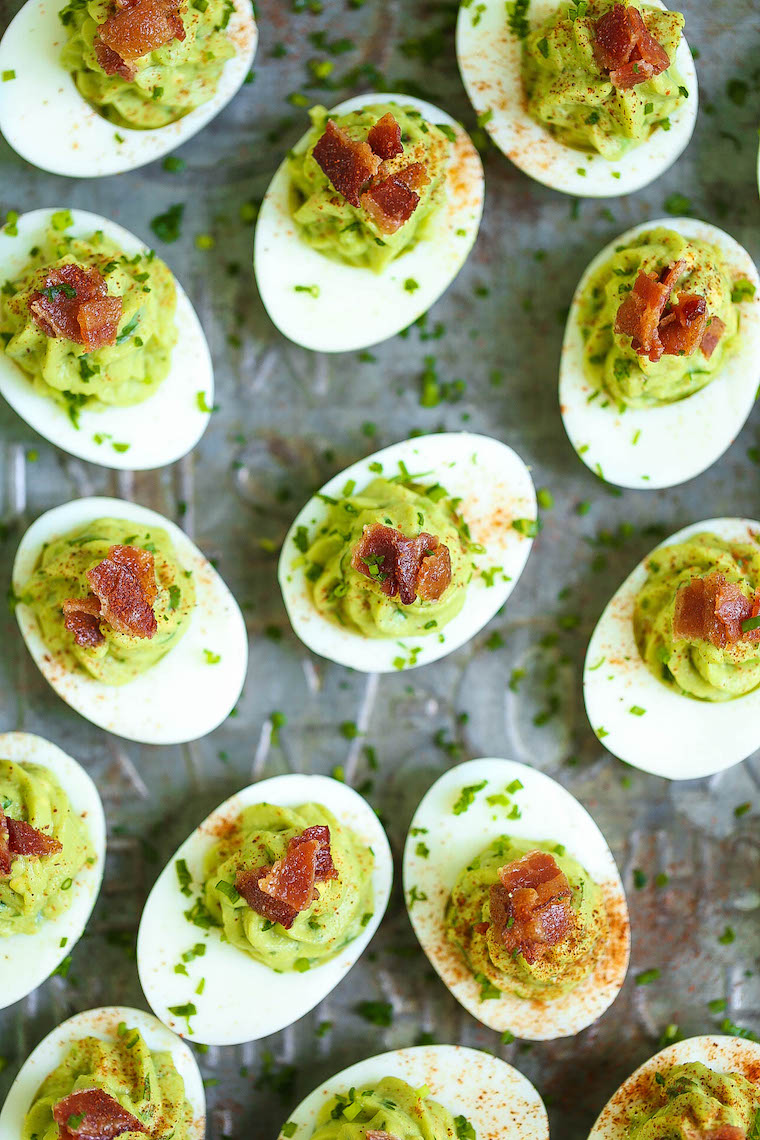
[287, 420]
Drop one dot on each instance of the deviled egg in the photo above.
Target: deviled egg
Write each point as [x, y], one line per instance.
[100, 349]
[264, 909]
[707, 1083]
[672, 673]
[128, 621]
[367, 221]
[661, 359]
[594, 99]
[515, 898]
[114, 1070]
[98, 88]
[428, 1091]
[52, 855]
[405, 555]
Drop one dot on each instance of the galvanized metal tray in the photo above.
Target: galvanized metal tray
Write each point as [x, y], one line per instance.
[286, 421]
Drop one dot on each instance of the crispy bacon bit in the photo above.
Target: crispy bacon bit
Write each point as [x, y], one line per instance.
[714, 331]
[392, 201]
[349, 165]
[385, 137]
[5, 848]
[135, 30]
[403, 566]
[125, 584]
[74, 304]
[655, 325]
[530, 906]
[19, 838]
[92, 1114]
[324, 867]
[23, 839]
[111, 63]
[624, 47]
[282, 891]
[247, 885]
[722, 1132]
[683, 326]
[434, 574]
[291, 880]
[81, 616]
[373, 1134]
[713, 609]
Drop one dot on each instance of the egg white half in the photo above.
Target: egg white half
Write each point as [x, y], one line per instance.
[496, 489]
[489, 57]
[182, 697]
[242, 999]
[648, 448]
[102, 1023]
[158, 431]
[677, 737]
[45, 119]
[356, 307]
[722, 1054]
[26, 960]
[549, 812]
[495, 1098]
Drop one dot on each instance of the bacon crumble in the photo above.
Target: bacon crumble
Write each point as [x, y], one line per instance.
[373, 1134]
[531, 905]
[19, 838]
[713, 609]
[74, 304]
[134, 30]
[280, 892]
[659, 326]
[391, 202]
[93, 1114]
[124, 590]
[626, 49]
[409, 567]
[81, 616]
[722, 1132]
[357, 173]
[348, 164]
[385, 137]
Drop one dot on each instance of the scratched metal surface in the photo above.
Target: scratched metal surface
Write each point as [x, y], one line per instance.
[287, 420]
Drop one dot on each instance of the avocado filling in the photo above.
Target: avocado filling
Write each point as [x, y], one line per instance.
[712, 660]
[356, 231]
[587, 105]
[374, 596]
[77, 587]
[42, 321]
[39, 866]
[528, 920]
[153, 70]
[115, 1087]
[620, 367]
[291, 887]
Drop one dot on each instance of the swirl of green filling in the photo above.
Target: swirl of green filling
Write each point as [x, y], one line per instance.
[696, 668]
[574, 98]
[258, 838]
[60, 574]
[564, 966]
[609, 361]
[350, 598]
[39, 886]
[347, 233]
[121, 374]
[144, 1083]
[390, 1105]
[691, 1100]
[169, 82]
